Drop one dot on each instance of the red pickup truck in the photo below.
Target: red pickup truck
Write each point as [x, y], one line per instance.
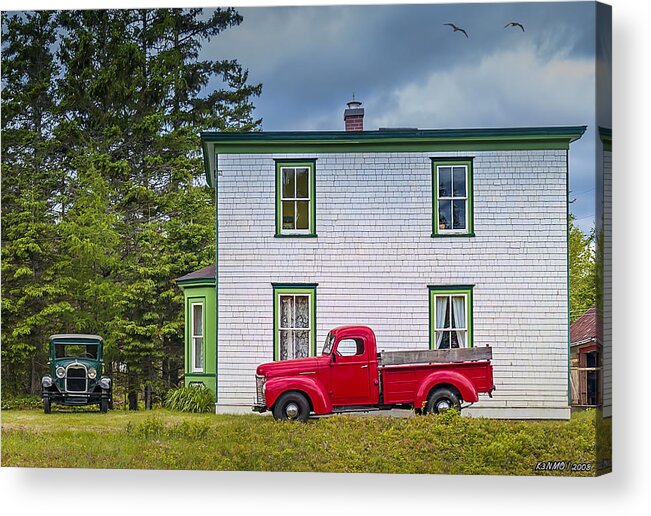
[350, 375]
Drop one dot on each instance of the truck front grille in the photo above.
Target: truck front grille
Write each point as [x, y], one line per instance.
[76, 378]
[259, 393]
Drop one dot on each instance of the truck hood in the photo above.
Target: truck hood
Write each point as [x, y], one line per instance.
[65, 362]
[289, 367]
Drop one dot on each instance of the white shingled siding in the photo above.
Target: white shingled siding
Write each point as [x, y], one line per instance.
[607, 286]
[374, 259]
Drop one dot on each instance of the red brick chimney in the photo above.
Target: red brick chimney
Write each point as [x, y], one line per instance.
[354, 116]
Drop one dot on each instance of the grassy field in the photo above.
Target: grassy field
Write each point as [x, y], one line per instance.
[161, 439]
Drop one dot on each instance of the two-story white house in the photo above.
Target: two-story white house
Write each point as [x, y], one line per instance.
[434, 238]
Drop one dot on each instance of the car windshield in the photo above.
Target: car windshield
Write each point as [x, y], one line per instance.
[327, 346]
[76, 350]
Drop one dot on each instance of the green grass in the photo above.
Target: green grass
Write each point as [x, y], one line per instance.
[162, 439]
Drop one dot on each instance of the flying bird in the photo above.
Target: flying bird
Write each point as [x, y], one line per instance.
[457, 29]
[514, 24]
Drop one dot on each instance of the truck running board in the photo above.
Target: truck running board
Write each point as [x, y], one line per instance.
[433, 356]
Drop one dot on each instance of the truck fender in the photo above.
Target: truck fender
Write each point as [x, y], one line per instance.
[309, 386]
[457, 380]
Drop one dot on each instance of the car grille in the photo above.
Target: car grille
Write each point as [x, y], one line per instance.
[76, 379]
[259, 393]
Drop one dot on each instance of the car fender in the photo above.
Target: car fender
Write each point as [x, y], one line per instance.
[274, 387]
[459, 381]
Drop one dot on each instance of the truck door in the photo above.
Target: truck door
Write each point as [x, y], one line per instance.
[351, 381]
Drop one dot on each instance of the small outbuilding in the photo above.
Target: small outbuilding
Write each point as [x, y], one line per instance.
[585, 360]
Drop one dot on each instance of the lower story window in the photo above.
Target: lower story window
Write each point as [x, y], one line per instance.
[450, 317]
[294, 321]
[196, 334]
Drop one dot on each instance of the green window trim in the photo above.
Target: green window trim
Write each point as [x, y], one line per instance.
[469, 230]
[190, 335]
[451, 290]
[310, 231]
[294, 289]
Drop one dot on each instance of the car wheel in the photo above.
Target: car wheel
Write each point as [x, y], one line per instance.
[103, 406]
[442, 400]
[292, 406]
[47, 406]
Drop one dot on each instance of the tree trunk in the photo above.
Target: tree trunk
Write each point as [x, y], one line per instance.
[132, 392]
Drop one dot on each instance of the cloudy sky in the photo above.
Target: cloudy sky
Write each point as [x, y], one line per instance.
[410, 70]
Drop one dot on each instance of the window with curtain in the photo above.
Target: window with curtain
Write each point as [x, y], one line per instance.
[451, 317]
[294, 322]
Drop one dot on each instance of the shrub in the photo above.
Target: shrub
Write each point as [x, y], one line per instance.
[190, 399]
[21, 402]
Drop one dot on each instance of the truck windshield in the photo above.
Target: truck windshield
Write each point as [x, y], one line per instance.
[327, 346]
[76, 350]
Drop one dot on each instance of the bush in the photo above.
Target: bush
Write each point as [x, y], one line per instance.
[21, 402]
[190, 399]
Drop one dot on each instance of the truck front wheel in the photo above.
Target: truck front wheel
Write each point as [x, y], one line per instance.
[47, 406]
[292, 406]
[442, 399]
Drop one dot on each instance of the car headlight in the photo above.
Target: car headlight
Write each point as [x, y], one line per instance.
[104, 382]
[61, 372]
[46, 382]
[92, 373]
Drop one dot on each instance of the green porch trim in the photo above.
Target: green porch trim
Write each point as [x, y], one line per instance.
[311, 165]
[450, 289]
[470, 223]
[294, 288]
[439, 140]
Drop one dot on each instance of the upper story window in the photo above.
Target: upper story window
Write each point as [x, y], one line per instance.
[295, 198]
[452, 212]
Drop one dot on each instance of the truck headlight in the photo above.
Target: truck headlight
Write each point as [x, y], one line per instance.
[46, 382]
[92, 373]
[61, 372]
[105, 382]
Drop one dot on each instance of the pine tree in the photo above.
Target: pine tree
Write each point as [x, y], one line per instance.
[110, 120]
[33, 299]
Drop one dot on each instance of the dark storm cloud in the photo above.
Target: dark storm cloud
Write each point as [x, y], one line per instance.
[311, 59]
[412, 71]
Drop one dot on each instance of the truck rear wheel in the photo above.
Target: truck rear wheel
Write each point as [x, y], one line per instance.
[441, 400]
[292, 406]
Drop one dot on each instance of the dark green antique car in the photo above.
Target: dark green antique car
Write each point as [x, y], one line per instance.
[76, 372]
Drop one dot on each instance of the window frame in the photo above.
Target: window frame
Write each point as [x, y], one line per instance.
[469, 230]
[279, 290]
[193, 368]
[452, 290]
[310, 164]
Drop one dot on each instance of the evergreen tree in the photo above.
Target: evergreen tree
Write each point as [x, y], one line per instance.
[582, 271]
[129, 208]
[33, 303]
